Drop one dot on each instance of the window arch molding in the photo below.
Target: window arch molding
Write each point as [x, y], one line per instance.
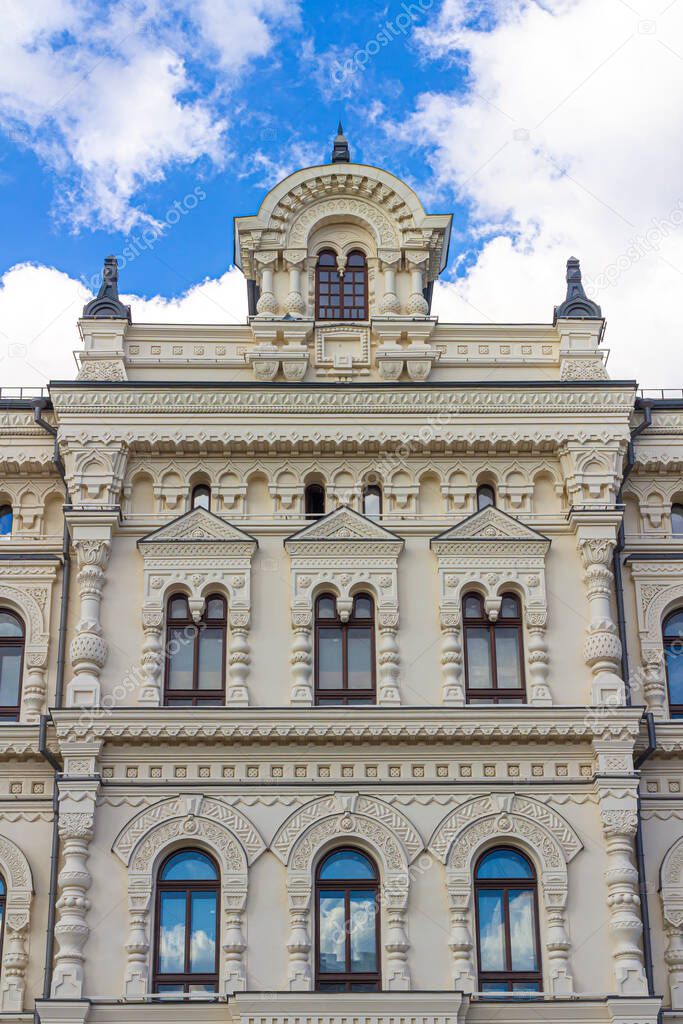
[16, 872]
[145, 843]
[671, 887]
[30, 599]
[545, 837]
[659, 592]
[376, 828]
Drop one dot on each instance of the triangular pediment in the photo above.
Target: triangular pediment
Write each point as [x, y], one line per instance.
[197, 525]
[490, 524]
[344, 524]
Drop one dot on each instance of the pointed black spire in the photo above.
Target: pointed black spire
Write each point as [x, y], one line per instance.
[340, 149]
[577, 305]
[107, 304]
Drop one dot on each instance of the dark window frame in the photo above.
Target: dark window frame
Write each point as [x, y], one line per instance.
[373, 489]
[7, 509]
[3, 908]
[348, 978]
[187, 886]
[198, 697]
[675, 710]
[506, 885]
[676, 509]
[12, 712]
[203, 489]
[328, 274]
[345, 696]
[490, 491]
[321, 493]
[495, 694]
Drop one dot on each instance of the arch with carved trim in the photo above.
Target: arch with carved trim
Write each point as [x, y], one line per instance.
[671, 888]
[196, 821]
[16, 872]
[320, 826]
[541, 833]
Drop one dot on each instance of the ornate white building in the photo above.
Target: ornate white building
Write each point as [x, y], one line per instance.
[339, 673]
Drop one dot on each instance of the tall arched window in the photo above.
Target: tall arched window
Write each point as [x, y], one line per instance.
[3, 912]
[507, 923]
[187, 933]
[673, 656]
[486, 496]
[494, 652]
[344, 652]
[341, 296]
[6, 518]
[12, 641]
[372, 501]
[677, 519]
[314, 500]
[195, 658]
[201, 496]
[347, 923]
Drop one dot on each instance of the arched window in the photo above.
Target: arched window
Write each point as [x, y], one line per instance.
[677, 519]
[372, 501]
[494, 652]
[314, 500]
[3, 909]
[344, 652]
[341, 296]
[347, 923]
[507, 923]
[6, 518]
[201, 496]
[673, 656]
[187, 934]
[195, 658]
[486, 496]
[12, 640]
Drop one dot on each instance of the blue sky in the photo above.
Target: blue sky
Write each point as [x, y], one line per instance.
[549, 128]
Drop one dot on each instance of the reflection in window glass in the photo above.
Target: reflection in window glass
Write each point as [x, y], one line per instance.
[362, 932]
[347, 922]
[172, 932]
[344, 652]
[332, 932]
[493, 651]
[478, 659]
[360, 658]
[507, 659]
[203, 934]
[330, 659]
[11, 665]
[5, 520]
[505, 887]
[491, 931]
[673, 658]
[195, 653]
[523, 954]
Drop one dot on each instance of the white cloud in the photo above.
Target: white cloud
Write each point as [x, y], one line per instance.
[39, 307]
[113, 108]
[562, 145]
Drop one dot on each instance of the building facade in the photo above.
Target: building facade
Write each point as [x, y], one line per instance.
[339, 675]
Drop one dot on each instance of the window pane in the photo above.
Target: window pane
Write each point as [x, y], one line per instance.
[674, 671]
[503, 864]
[178, 609]
[478, 658]
[327, 608]
[10, 626]
[215, 608]
[330, 659]
[203, 934]
[332, 932]
[676, 519]
[189, 866]
[491, 930]
[10, 675]
[201, 497]
[485, 496]
[474, 608]
[181, 658]
[203, 989]
[5, 521]
[673, 627]
[526, 986]
[494, 986]
[362, 608]
[509, 673]
[371, 503]
[360, 659]
[509, 607]
[210, 666]
[362, 931]
[172, 932]
[347, 864]
[523, 952]
[170, 990]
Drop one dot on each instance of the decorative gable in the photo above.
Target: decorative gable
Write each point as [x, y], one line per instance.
[197, 554]
[344, 552]
[492, 552]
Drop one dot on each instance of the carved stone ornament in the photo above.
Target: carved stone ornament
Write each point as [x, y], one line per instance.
[493, 552]
[147, 839]
[197, 554]
[387, 836]
[344, 552]
[659, 588]
[672, 908]
[28, 592]
[16, 872]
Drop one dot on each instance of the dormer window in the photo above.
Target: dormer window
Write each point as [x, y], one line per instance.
[341, 296]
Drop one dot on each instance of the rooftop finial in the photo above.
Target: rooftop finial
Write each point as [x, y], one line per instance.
[107, 305]
[340, 149]
[577, 305]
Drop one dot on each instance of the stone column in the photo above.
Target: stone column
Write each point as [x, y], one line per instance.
[267, 303]
[417, 304]
[152, 662]
[389, 304]
[557, 941]
[295, 304]
[460, 942]
[14, 962]
[136, 978]
[235, 979]
[539, 657]
[618, 810]
[299, 941]
[240, 660]
[452, 680]
[396, 943]
[653, 681]
[301, 659]
[673, 926]
[34, 689]
[389, 660]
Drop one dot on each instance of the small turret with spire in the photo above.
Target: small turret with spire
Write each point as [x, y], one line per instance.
[107, 304]
[340, 149]
[577, 305]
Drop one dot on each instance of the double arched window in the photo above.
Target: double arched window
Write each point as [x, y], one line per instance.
[6, 518]
[195, 658]
[347, 929]
[187, 933]
[494, 652]
[12, 642]
[341, 296]
[507, 923]
[673, 657]
[344, 652]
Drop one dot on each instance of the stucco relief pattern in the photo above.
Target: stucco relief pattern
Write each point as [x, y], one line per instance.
[16, 871]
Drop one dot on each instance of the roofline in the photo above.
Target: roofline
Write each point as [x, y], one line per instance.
[246, 385]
